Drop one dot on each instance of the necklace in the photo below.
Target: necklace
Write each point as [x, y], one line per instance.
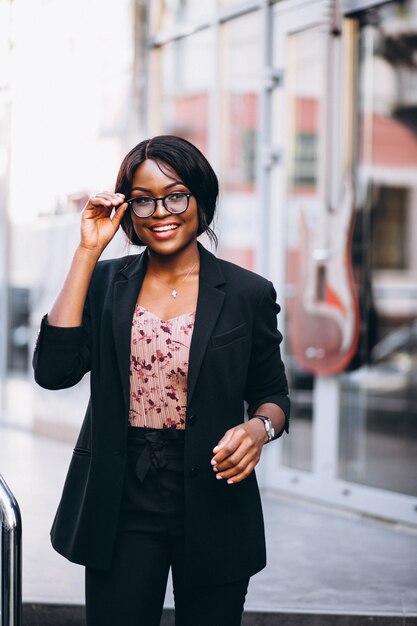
[174, 291]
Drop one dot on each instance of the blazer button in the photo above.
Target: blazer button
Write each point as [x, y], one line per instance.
[192, 419]
[194, 472]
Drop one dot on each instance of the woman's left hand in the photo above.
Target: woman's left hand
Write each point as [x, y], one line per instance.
[238, 451]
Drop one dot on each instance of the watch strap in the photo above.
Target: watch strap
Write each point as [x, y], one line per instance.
[269, 428]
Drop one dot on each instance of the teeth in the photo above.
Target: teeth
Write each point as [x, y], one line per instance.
[159, 229]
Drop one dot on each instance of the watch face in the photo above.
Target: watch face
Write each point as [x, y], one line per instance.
[268, 426]
[270, 429]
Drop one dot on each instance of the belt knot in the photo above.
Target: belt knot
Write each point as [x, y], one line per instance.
[152, 455]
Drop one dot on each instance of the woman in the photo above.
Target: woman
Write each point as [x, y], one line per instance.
[176, 341]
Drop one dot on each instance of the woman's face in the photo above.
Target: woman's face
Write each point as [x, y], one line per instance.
[163, 233]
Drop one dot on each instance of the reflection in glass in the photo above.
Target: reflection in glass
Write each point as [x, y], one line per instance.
[378, 434]
[304, 83]
[239, 102]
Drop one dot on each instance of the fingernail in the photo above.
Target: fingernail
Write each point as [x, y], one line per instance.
[216, 448]
[213, 462]
[230, 482]
[215, 469]
[219, 477]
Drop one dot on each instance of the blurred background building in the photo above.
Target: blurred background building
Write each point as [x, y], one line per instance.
[307, 110]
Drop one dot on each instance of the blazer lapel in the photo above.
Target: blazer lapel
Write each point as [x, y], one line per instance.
[125, 295]
[209, 304]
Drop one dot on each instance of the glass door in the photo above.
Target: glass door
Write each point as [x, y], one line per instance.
[300, 129]
[343, 209]
[378, 434]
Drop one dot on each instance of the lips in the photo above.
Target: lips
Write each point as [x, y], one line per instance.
[163, 228]
[163, 231]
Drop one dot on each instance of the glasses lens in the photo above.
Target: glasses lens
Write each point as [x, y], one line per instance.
[143, 207]
[176, 202]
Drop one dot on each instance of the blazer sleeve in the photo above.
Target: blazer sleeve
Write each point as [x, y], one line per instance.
[62, 355]
[266, 380]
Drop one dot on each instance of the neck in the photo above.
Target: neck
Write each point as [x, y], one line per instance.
[174, 265]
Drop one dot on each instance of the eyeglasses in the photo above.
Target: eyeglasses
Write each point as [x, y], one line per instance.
[175, 203]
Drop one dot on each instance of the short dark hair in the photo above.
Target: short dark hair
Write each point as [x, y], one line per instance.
[191, 166]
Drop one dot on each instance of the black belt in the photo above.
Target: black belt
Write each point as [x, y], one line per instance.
[154, 443]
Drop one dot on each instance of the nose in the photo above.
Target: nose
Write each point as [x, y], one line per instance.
[160, 208]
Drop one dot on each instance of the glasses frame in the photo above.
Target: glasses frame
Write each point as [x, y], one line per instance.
[188, 195]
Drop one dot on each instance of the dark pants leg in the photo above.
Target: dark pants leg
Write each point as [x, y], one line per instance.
[216, 605]
[132, 592]
[211, 605]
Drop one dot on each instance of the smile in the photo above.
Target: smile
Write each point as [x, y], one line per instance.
[162, 229]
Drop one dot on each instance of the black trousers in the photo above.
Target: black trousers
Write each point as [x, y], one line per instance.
[149, 542]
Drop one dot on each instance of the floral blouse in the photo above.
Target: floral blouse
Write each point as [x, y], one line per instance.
[159, 369]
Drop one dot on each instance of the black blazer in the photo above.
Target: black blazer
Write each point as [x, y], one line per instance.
[234, 357]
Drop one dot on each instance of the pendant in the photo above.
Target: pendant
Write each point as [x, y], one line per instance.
[174, 293]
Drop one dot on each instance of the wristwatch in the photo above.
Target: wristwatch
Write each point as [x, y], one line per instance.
[269, 428]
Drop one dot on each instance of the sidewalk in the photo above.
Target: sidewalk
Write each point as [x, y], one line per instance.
[321, 561]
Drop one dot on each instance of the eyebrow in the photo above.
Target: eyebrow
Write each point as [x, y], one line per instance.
[176, 182]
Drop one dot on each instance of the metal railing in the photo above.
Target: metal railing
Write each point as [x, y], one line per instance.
[11, 557]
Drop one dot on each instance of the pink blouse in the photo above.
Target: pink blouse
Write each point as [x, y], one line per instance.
[159, 369]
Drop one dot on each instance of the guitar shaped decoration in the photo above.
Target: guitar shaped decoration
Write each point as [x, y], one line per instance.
[324, 313]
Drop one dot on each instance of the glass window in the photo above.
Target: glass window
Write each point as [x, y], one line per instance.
[18, 336]
[378, 435]
[305, 93]
[180, 93]
[230, 3]
[165, 15]
[240, 84]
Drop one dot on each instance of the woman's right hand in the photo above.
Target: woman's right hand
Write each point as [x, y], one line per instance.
[98, 225]
[100, 221]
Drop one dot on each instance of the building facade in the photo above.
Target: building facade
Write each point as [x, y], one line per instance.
[307, 110]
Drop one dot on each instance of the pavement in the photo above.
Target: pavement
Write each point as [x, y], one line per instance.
[322, 561]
